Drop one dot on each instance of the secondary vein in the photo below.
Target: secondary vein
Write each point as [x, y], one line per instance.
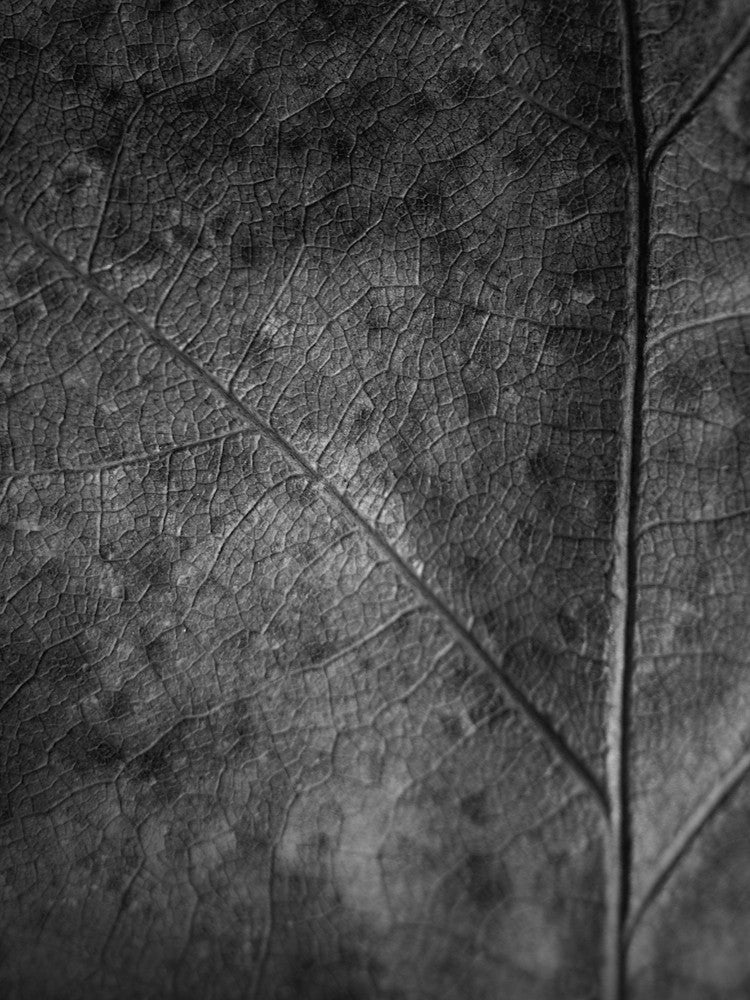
[684, 114]
[458, 629]
[687, 835]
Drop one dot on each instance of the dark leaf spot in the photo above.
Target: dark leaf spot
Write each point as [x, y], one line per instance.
[105, 149]
[452, 726]
[475, 807]
[569, 627]
[300, 489]
[117, 704]
[154, 567]
[81, 74]
[462, 82]
[93, 16]
[159, 9]
[18, 55]
[487, 880]
[88, 749]
[27, 279]
[317, 651]
[69, 183]
[243, 252]
[157, 654]
[184, 236]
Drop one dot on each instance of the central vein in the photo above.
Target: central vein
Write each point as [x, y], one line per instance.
[618, 857]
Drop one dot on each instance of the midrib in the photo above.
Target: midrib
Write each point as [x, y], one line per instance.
[618, 855]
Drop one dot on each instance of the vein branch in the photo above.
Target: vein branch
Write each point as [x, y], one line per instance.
[684, 114]
[459, 630]
[687, 836]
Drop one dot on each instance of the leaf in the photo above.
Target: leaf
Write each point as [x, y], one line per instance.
[374, 504]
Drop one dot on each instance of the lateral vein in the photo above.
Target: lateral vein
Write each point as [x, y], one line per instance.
[686, 836]
[468, 641]
[683, 115]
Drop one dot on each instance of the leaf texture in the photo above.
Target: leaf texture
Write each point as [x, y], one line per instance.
[374, 500]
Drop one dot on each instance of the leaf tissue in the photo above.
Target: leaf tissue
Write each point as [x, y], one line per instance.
[375, 500]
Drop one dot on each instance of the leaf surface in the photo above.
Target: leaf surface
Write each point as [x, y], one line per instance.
[374, 500]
